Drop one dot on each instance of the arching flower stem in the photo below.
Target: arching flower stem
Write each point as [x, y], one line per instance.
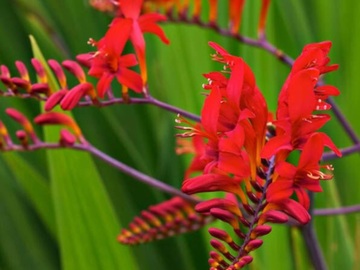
[143, 177]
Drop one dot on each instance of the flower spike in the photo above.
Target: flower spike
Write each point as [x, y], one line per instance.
[22, 120]
[56, 118]
[263, 15]
[166, 219]
[244, 156]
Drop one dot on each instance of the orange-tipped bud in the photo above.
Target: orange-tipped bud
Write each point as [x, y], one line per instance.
[242, 262]
[273, 216]
[261, 230]
[4, 135]
[3, 130]
[55, 99]
[236, 8]
[224, 236]
[225, 204]
[253, 244]
[263, 14]
[40, 71]
[5, 77]
[56, 118]
[58, 71]
[104, 5]
[23, 138]
[197, 9]
[4, 71]
[221, 248]
[225, 216]
[21, 119]
[213, 11]
[40, 88]
[85, 59]
[217, 260]
[73, 96]
[75, 69]
[24, 74]
[21, 83]
[67, 138]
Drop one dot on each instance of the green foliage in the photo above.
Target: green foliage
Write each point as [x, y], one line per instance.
[62, 209]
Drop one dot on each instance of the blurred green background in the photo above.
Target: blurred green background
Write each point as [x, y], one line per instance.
[64, 209]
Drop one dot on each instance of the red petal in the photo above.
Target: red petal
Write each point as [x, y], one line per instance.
[324, 91]
[148, 24]
[210, 182]
[312, 151]
[210, 111]
[131, 9]
[117, 35]
[286, 170]
[296, 210]
[280, 190]
[301, 97]
[276, 144]
[329, 143]
[218, 48]
[235, 84]
[303, 197]
[130, 79]
[104, 84]
[127, 60]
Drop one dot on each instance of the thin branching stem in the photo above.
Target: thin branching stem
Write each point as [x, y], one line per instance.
[313, 247]
[114, 100]
[158, 183]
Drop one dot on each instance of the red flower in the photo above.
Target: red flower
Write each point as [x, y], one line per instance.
[196, 147]
[145, 23]
[108, 63]
[303, 177]
[298, 99]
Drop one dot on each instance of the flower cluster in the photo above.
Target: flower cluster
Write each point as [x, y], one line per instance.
[108, 62]
[105, 64]
[28, 138]
[174, 216]
[245, 151]
[239, 147]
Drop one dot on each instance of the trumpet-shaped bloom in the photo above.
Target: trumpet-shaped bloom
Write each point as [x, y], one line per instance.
[146, 23]
[304, 176]
[108, 63]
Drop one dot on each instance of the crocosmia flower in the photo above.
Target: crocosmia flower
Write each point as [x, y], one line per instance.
[108, 63]
[245, 154]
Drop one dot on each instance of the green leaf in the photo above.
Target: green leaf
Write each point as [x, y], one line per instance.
[36, 188]
[24, 241]
[87, 224]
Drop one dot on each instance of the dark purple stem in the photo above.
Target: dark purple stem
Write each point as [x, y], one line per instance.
[137, 174]
[344, 122]
[143, 178]
[345, 151]
[313, 247]
[337, 211]
[103, 103]
[111, 161]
